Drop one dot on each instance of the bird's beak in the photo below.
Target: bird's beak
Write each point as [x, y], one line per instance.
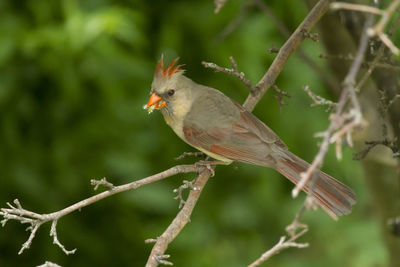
[154, 100]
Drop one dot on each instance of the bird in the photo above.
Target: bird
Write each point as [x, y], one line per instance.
[224, 130]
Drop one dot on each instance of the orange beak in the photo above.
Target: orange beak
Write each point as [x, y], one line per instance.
[154, 99]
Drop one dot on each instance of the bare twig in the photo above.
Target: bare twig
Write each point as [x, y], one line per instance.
[234, 72]
[240, 75]
[343, 123]
[281, 245]
[53, 233]
[319, 100]
[356, 7]
[280, 97]
[35, 220]
[102, 182]
[309, 35]
[273, 50]
[179, 190]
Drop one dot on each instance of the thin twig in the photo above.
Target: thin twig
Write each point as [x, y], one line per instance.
[356, 7]
[234, 72]
[179, 190]
[102, 182]
[319, 100]
[280, 97]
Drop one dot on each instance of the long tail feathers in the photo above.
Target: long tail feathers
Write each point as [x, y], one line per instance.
[331, 195]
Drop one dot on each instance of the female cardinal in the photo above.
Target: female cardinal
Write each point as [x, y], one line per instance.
[213, 123]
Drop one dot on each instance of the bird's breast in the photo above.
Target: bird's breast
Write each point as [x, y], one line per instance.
[175, 124]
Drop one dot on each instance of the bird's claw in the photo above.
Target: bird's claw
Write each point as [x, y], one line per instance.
[207, 165]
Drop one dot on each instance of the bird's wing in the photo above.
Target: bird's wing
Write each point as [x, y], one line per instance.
[221, 126]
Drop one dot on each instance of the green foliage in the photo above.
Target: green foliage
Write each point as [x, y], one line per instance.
[74, 76]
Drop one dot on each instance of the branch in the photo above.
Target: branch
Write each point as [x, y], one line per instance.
[35, 220]
[284, 53]
[319, 100]
[161, 243]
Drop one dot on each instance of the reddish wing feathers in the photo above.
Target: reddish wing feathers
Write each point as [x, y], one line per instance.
[234, 143]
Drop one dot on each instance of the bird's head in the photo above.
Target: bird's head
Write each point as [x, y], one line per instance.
[167, 89]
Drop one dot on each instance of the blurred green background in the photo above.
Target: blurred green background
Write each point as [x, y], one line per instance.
[74, 76]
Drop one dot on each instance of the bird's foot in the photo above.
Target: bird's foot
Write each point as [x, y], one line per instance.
[209, 165]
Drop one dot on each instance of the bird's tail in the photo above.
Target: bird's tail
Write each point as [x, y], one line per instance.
[331, 195]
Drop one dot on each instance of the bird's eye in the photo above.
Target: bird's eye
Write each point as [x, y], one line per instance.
[171, 92]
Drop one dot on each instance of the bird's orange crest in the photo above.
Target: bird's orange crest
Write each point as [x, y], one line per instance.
[169, 70]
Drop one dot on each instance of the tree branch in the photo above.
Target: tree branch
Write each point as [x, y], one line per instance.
[183, 217]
